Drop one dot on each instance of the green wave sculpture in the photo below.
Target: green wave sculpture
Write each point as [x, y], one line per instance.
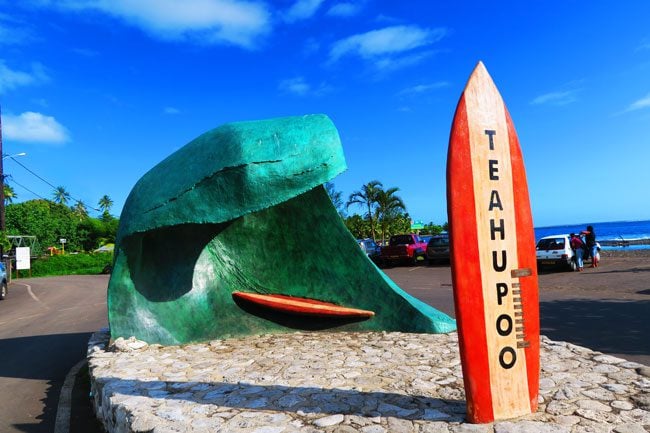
[242, 208]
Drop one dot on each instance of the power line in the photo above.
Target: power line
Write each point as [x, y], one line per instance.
[54, 187]
[23, 166]
[24, 187]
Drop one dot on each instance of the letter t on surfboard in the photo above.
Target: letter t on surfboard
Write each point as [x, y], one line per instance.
[493, 262]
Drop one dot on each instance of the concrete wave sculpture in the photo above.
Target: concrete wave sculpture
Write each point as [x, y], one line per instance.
[242, 210]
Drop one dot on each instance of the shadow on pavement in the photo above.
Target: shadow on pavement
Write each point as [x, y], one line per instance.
[31, 357]
[611, 326]
[44, 358]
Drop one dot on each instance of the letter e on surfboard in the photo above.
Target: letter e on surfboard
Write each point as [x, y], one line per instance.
[493, 256]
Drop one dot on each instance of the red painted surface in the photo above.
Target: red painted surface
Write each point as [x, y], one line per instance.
[396, 251]
[301, 306]
[468, 303]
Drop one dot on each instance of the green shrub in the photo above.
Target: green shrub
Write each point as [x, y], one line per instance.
[70, 264]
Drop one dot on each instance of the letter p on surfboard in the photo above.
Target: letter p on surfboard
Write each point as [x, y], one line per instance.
[493, 256]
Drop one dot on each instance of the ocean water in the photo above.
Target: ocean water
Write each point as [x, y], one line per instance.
[616, 230]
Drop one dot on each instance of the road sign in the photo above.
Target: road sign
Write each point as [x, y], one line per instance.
[22, 258]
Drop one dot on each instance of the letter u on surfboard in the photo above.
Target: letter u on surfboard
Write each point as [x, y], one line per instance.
[493, 256]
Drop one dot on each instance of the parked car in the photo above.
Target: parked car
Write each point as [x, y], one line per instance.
[3, 284]
[555, 251]
[405, 248]
[438, 249]
[369, 247]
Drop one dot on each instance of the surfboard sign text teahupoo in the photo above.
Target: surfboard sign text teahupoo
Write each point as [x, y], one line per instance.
[492, 257]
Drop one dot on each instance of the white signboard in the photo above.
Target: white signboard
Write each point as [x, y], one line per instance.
[22, 258]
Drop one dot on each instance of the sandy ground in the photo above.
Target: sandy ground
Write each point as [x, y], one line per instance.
[622, 275]
[605, 308]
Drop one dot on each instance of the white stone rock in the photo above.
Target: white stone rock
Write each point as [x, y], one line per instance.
[593, 405]
[329, 420]
[373, 429]
[608, 359]
[622, 405]
[630, 428]
[529, 427]
[471, 428]
[269, 429]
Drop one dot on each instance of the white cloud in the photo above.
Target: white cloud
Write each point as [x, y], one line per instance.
[302, 10]
[10, 78]
[13, 31]
[556, 98]
[236, 22]
[381, 45]
[172, 110]
[34, 127]
[640, 104]
[297, 86]
[423, 88]
[344, 10]
[300, 87]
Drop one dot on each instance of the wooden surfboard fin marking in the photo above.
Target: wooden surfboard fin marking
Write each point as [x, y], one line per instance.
[523, 272]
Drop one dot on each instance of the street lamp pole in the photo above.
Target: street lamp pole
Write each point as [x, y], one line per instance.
[2, 186]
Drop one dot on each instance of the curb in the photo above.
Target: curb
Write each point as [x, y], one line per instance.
[63, 410]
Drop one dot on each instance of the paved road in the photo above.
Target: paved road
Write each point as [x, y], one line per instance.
[605, 309]
[45, 324]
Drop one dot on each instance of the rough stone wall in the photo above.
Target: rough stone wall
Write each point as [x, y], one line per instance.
[346, 382]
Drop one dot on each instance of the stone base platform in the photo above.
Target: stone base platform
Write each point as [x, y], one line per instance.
[344, 383]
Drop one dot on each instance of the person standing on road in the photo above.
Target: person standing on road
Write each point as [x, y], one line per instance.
[578, 246]
[592, 246]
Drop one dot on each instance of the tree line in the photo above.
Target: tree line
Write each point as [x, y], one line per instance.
[383, 212]
[55, 219]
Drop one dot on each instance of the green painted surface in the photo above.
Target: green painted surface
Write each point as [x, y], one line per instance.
[241, 208]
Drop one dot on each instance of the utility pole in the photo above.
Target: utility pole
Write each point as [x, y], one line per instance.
[2, 190]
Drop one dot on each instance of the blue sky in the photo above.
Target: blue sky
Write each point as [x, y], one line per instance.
[97, 92]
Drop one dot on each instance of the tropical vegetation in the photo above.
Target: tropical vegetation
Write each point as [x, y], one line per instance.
[383, 212]
[52, 220]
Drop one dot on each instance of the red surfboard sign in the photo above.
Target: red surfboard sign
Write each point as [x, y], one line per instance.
[492, 256]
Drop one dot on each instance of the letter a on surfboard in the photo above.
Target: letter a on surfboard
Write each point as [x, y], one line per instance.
[493, 256]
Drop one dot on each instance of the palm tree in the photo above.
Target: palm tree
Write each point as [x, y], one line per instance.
[105, 203]
[10, 194]
[367, 197]
[336, 198]
[61, 195]
[388, 208]
[80, 209]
